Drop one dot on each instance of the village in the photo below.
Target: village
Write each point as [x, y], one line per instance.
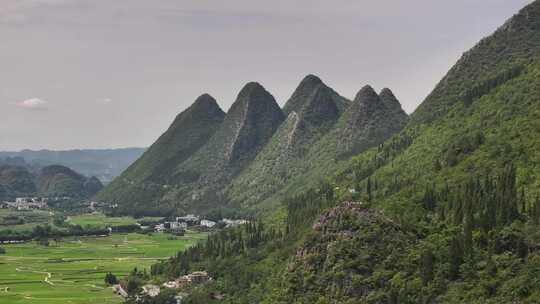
[29, 203]
[180, 284]
[193, 222]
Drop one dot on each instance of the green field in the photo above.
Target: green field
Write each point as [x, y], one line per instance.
[30, 219]
[72, 271]
[100, 220]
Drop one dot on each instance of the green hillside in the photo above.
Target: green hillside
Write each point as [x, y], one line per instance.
[146, 180]
[450, 205]
[58, 181]
[315, 141]
[248, 126]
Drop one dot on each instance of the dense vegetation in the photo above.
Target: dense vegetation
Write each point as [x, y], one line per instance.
[18, 179]
[450, 206]
[147, 179]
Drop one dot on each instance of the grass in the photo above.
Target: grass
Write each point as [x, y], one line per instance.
[72, 270]
[100, 220]
[31, 219]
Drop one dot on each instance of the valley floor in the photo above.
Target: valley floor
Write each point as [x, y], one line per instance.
[73, 269]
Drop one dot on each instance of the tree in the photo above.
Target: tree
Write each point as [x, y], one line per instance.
[427, 261]
[110, 279]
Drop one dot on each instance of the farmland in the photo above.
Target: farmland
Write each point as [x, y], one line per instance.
[71, 270]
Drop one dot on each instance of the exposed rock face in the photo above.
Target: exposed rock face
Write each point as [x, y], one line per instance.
[348, 244]
[312, 111]
[393, 105]
[251, 121]
[248, 126]
[315, 107]
[304, 94]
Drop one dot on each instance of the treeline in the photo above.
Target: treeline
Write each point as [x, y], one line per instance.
[49, 232]
[483, 205]
[304, 208]
[487, 202]
[221, 245]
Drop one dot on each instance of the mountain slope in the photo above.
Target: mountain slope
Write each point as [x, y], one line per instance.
[451, 202]
[16, 181]
[365, 123]
[56, 180]
[144, 179]
[105, 164]
[514, 43]
[249, 124]
[50, 181]
[313, 110]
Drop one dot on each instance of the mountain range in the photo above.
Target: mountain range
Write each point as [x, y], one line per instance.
[255, 152]
[359, 203]
[105, 164]
[18, 179]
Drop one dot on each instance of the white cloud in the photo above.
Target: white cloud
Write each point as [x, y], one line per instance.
[105, 100]
[32, 104]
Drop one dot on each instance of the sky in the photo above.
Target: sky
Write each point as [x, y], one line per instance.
[115, 73]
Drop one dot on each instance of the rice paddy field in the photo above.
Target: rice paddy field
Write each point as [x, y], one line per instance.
[72, 270]
[100, 220]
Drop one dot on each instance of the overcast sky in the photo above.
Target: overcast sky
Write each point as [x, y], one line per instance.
[114, 73]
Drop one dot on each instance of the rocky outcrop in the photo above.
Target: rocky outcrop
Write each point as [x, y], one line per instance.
[349, 243]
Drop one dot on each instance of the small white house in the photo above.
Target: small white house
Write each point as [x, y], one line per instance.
[208, 223]
[178, 225]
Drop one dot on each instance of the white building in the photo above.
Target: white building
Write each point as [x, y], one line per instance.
[208, 223]
[233, 223]
[178, 225]
[151, 290]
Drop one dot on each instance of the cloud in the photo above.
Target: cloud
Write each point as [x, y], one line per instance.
[105, 100]
[32, 104]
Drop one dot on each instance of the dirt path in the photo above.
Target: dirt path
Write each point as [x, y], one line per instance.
[47, 278]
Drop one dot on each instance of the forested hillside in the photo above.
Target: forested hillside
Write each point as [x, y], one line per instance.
[22, 180]
[253, 156]
[445, 211]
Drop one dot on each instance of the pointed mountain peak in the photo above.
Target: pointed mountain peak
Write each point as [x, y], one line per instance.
[250, 122]
[393, 105]
[252, 88]
[389, 99]
[306, 93]
[367, 95]
[386, 92]
[204, 106]
[252, 96]
[311, 81]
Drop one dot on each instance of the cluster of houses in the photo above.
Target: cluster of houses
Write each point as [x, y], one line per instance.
[192, 221]
[181, 283]
[94, 206]
[26, 203]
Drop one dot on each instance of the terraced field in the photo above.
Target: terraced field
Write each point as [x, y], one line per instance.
[72, 270]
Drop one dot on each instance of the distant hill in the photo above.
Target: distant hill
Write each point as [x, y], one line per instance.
[104, 164]
[49, 181]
